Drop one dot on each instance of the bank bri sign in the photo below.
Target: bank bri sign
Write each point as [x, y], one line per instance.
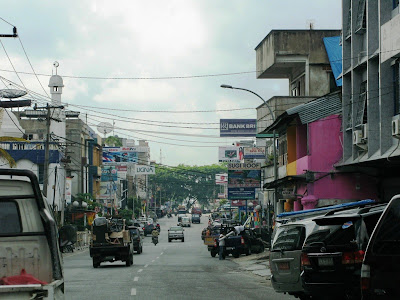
[238, 127]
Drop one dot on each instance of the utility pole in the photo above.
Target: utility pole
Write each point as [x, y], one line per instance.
[54, 189]
[47, 145]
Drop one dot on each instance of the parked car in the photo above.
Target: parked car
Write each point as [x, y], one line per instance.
[332, 256]
[148, 228]
[176, 233]
[285, 256]
[137, 239]
[28, 240]
[139, 226]
[196, 218]
[253, 243]
[380, 269]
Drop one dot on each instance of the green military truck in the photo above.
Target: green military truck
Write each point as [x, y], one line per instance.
[111, 241]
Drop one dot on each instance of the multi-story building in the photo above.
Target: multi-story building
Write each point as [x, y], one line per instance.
[301, 57]
[371, 97]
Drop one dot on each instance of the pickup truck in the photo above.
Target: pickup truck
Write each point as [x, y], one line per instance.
[176, 233]
[31, 264]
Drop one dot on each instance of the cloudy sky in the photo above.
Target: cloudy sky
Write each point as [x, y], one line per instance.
[154, 67]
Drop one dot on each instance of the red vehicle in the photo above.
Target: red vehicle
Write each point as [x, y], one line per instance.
[196, 210]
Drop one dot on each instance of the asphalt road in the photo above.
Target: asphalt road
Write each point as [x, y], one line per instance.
[173, 270]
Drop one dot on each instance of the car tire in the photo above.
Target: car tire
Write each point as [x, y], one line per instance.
[96, 263]
[129, 260]
[236, 253]
[169, 240]
[183, 240]
[213, 253]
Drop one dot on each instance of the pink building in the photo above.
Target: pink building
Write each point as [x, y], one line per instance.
[309, 146]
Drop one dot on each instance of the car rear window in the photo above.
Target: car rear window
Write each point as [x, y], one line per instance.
[387, 237]
[176, 229]
[289, 239]
[134, 232]
[9, 218]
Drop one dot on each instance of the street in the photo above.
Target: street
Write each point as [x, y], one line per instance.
[173, 270]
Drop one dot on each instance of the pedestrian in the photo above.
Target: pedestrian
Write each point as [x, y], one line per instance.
[221, 242]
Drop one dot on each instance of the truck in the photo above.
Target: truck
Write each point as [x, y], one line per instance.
[111, 241]
[31, 263]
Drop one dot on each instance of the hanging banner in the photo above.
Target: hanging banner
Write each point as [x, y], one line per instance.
[109, 173]
[238, 127]
[68, 190]
[243, 179]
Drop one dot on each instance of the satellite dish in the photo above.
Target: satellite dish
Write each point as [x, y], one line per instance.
[12, 93]
[104, 128]
[56, 64]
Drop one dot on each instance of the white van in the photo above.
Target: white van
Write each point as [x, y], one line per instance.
[185, 222]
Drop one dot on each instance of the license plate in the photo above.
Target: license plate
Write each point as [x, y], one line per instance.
[283, 266]
[325, 261]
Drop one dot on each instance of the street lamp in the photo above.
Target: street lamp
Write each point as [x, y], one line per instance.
[226, 86]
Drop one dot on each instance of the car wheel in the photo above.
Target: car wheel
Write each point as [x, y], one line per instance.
[183, 240]
[129, 260]
[169, 240]
[213, 253]
[96, 263]
[236, 254]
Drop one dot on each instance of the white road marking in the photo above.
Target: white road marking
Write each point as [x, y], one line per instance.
[157, 257]
[133, 292]
[162, 253]
[153, 260]
[136, 278]
[146, 266]
[140, 270]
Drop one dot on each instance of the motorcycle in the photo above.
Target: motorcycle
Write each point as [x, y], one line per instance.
[154, 239]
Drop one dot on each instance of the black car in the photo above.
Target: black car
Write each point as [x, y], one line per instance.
[137, 239]
[196, 218]
[331, 257]
[380, 270]
[148, 228]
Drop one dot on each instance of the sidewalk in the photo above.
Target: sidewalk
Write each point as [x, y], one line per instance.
[257, 264]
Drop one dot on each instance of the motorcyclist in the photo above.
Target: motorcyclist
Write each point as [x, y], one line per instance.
[154, 235]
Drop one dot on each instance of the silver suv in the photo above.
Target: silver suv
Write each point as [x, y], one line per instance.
[176, 233]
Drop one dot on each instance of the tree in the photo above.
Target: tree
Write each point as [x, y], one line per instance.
[113, 141]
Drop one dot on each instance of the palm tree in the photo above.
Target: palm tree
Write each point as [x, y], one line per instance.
[113, 141]
[5, 154]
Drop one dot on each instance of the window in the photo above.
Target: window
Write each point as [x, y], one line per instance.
[9, 218]
[396, 90]
[350, 115]
[361, 113]
[361, 24]
[395, 3]
[290, 239]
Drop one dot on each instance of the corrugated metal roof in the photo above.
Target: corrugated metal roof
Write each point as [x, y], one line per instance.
[318, 108]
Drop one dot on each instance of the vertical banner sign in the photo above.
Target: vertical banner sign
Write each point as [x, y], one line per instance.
[238, 127]
[243, 179]
[68, 190]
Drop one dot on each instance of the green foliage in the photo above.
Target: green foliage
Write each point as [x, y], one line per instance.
[113, 141]
[222, 202]
[125, 213]
[137, 203]
[196, 183]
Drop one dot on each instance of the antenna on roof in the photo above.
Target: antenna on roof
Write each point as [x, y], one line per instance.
[310, 24]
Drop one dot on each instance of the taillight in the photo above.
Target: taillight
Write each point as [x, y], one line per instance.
[242, 240]
[365, 277]
[215, 243]
[305, 261]
[353, 257]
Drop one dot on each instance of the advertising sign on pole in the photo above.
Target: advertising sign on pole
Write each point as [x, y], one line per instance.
[254, 152]
[238, 127]
[243, 179]
[145, 170]
[221, 178]
[68, 190]
[230, 154]
[109, 173]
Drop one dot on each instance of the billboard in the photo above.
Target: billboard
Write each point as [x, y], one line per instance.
[243, 179]
[120, 154]
[109, 173]
[238, 127]
[145, 170]
[254, 152]
[230, 154]
[221, 178]
[108, 190]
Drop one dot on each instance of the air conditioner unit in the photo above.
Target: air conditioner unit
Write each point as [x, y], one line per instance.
[364, 130]
[396, 128]
[357, 137]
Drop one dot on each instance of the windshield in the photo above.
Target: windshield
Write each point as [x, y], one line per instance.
[387, 237]
[289, 238]
[176, 229]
